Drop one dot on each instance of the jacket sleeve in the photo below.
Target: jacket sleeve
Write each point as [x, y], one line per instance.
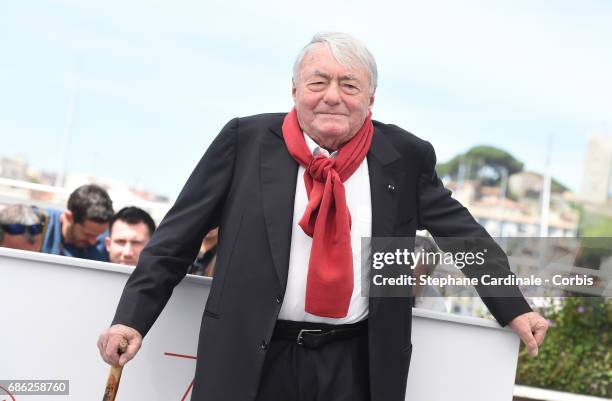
[455, 230]
[174, 245]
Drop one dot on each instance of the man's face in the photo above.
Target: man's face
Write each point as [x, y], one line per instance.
[22, 242]
[332, 101]
[81, 234]
[126, 241]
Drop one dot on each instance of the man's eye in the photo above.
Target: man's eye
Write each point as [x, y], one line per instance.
[350, 88]
[316, 85]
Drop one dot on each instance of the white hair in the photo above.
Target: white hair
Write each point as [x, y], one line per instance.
[347, 50]
[18, 214]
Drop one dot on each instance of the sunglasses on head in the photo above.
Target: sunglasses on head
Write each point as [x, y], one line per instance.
[20, 229]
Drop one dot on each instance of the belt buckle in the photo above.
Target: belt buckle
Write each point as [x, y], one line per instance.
[301, 333]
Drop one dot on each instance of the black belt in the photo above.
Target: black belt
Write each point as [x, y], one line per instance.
[315, 335]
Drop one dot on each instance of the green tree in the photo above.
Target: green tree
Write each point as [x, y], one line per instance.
[482, 163]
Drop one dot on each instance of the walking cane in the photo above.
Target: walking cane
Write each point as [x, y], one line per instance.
[112, 384]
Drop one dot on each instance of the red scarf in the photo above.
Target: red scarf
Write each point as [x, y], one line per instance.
[327, 219]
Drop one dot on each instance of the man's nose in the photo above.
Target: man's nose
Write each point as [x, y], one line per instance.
[332, 94]
[127, 249]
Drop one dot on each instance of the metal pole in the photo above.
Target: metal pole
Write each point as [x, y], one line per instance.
[60, 179]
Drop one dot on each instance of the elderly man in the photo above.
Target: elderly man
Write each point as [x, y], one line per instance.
[293, 194]
[80, 231]
[129, 231]
[21, 227]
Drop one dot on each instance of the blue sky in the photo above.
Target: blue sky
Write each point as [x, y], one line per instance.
[157, 80]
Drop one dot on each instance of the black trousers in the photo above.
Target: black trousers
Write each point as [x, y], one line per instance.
[337, 371]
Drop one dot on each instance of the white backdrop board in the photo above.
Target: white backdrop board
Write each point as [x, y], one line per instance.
[53, 309]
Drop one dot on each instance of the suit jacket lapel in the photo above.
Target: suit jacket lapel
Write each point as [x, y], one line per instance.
[278, 180]
[385, 178]
[384, 181]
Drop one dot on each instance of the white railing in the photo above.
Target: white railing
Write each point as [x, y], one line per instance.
[541, 394]
[54, 308]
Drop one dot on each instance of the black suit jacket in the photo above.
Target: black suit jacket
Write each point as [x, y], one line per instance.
[245, 184]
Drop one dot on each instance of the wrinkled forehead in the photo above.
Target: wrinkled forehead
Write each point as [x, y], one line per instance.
[318, 57]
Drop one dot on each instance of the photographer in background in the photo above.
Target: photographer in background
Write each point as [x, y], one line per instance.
[80, 230]
[21, 227]
[129, 232]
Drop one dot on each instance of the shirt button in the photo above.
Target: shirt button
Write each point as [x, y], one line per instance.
[279, 299]
[264, 345]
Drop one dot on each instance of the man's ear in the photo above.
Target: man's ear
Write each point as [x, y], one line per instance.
[371, 101]
[107, 242]
[68, 216]
[293, 89]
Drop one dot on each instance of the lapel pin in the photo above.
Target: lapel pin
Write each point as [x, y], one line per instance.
[391, 187]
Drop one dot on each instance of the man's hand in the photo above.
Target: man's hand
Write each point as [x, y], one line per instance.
[109, 340]
[531, 328]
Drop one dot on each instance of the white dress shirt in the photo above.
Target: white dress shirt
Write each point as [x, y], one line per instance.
[357, 190]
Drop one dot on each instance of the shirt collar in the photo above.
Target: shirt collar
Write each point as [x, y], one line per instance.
[316, 149]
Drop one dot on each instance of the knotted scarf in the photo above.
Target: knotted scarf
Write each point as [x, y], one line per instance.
[327, 219]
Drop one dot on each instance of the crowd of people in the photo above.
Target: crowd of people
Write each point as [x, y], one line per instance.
[89, 228]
